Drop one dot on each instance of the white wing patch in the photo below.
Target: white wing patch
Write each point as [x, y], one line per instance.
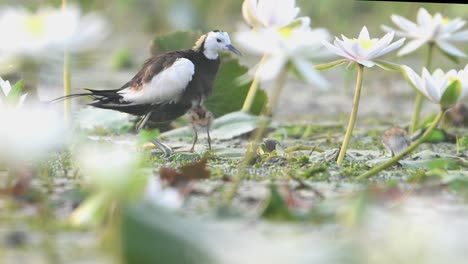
[165, 87]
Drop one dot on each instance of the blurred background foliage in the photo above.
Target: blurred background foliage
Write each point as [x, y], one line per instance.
[151, 17]
[163, 16]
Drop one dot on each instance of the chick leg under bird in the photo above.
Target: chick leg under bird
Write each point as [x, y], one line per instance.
[200, 118]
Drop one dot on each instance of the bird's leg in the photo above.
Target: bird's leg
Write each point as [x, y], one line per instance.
[163, 147]
[208, 136]
[195, 138]
[143, 121]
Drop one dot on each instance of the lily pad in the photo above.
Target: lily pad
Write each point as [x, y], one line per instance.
[225, 127]
[103, 121]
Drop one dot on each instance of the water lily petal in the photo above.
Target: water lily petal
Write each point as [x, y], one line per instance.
[458, 37]
[5, 86]
[411, 46]
[423, 16]
[453, 26]
[463, 77]
[364, 34]
[248, 12]
[404, 23]
[276, 13]
[365, 62]
[395, 45]
[272, 67]
[307, 71]
[380, 45]
[89, 33]
[450, 49]
[252, 42]
[336, 50]
[398, 33]
[415, 80]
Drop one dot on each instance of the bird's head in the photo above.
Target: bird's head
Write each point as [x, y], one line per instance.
[217, 41]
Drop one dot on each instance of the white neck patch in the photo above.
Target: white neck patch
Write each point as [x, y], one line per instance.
[210, 54]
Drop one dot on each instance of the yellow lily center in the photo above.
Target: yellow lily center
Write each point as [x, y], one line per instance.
[367, 43]
[285, 32]
[35, 25]
[452, 78]
[445, 21]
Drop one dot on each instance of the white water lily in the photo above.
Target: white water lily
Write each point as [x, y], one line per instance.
[163, 196]
[462, 76]
[296, 46]
[439, 87]
[108, 168]
[430, 29]
[271, 13]
[364, 50]
[28, 135]
[49, 30]
[5, 90]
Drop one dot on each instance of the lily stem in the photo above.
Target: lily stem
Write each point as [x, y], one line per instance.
[66, 80]
[262, 127]
[66, 87]
[352, 118]
[249, 99]
[408, 150]
[419, 97]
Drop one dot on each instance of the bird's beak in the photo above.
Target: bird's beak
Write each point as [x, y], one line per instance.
[234, 50]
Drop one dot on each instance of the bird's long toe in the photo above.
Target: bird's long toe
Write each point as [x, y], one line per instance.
[163, 147]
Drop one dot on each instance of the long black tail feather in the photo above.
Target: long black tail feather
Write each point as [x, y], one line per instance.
[100, 95]
[63, 98]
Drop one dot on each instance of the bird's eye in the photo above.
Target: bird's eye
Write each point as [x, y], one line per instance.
[218, 40]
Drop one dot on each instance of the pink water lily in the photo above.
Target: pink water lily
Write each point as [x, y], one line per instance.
[364, 50]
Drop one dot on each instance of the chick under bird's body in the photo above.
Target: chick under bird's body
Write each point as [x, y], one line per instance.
[169, 84]
[395, 140]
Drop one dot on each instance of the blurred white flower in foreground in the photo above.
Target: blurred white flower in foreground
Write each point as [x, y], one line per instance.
[9, 95]
[28, 134]
[271, 13]
[49, 30]
[439, 87]
[115, 175]
[430, 29]
[294, 47]
[107, 167]
[364, 50]
[167, 197]
[117, 171]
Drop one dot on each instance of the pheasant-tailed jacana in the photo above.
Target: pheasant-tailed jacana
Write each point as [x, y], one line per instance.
[168, 84]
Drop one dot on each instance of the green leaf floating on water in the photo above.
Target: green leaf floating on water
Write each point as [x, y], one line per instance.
[230, 87]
